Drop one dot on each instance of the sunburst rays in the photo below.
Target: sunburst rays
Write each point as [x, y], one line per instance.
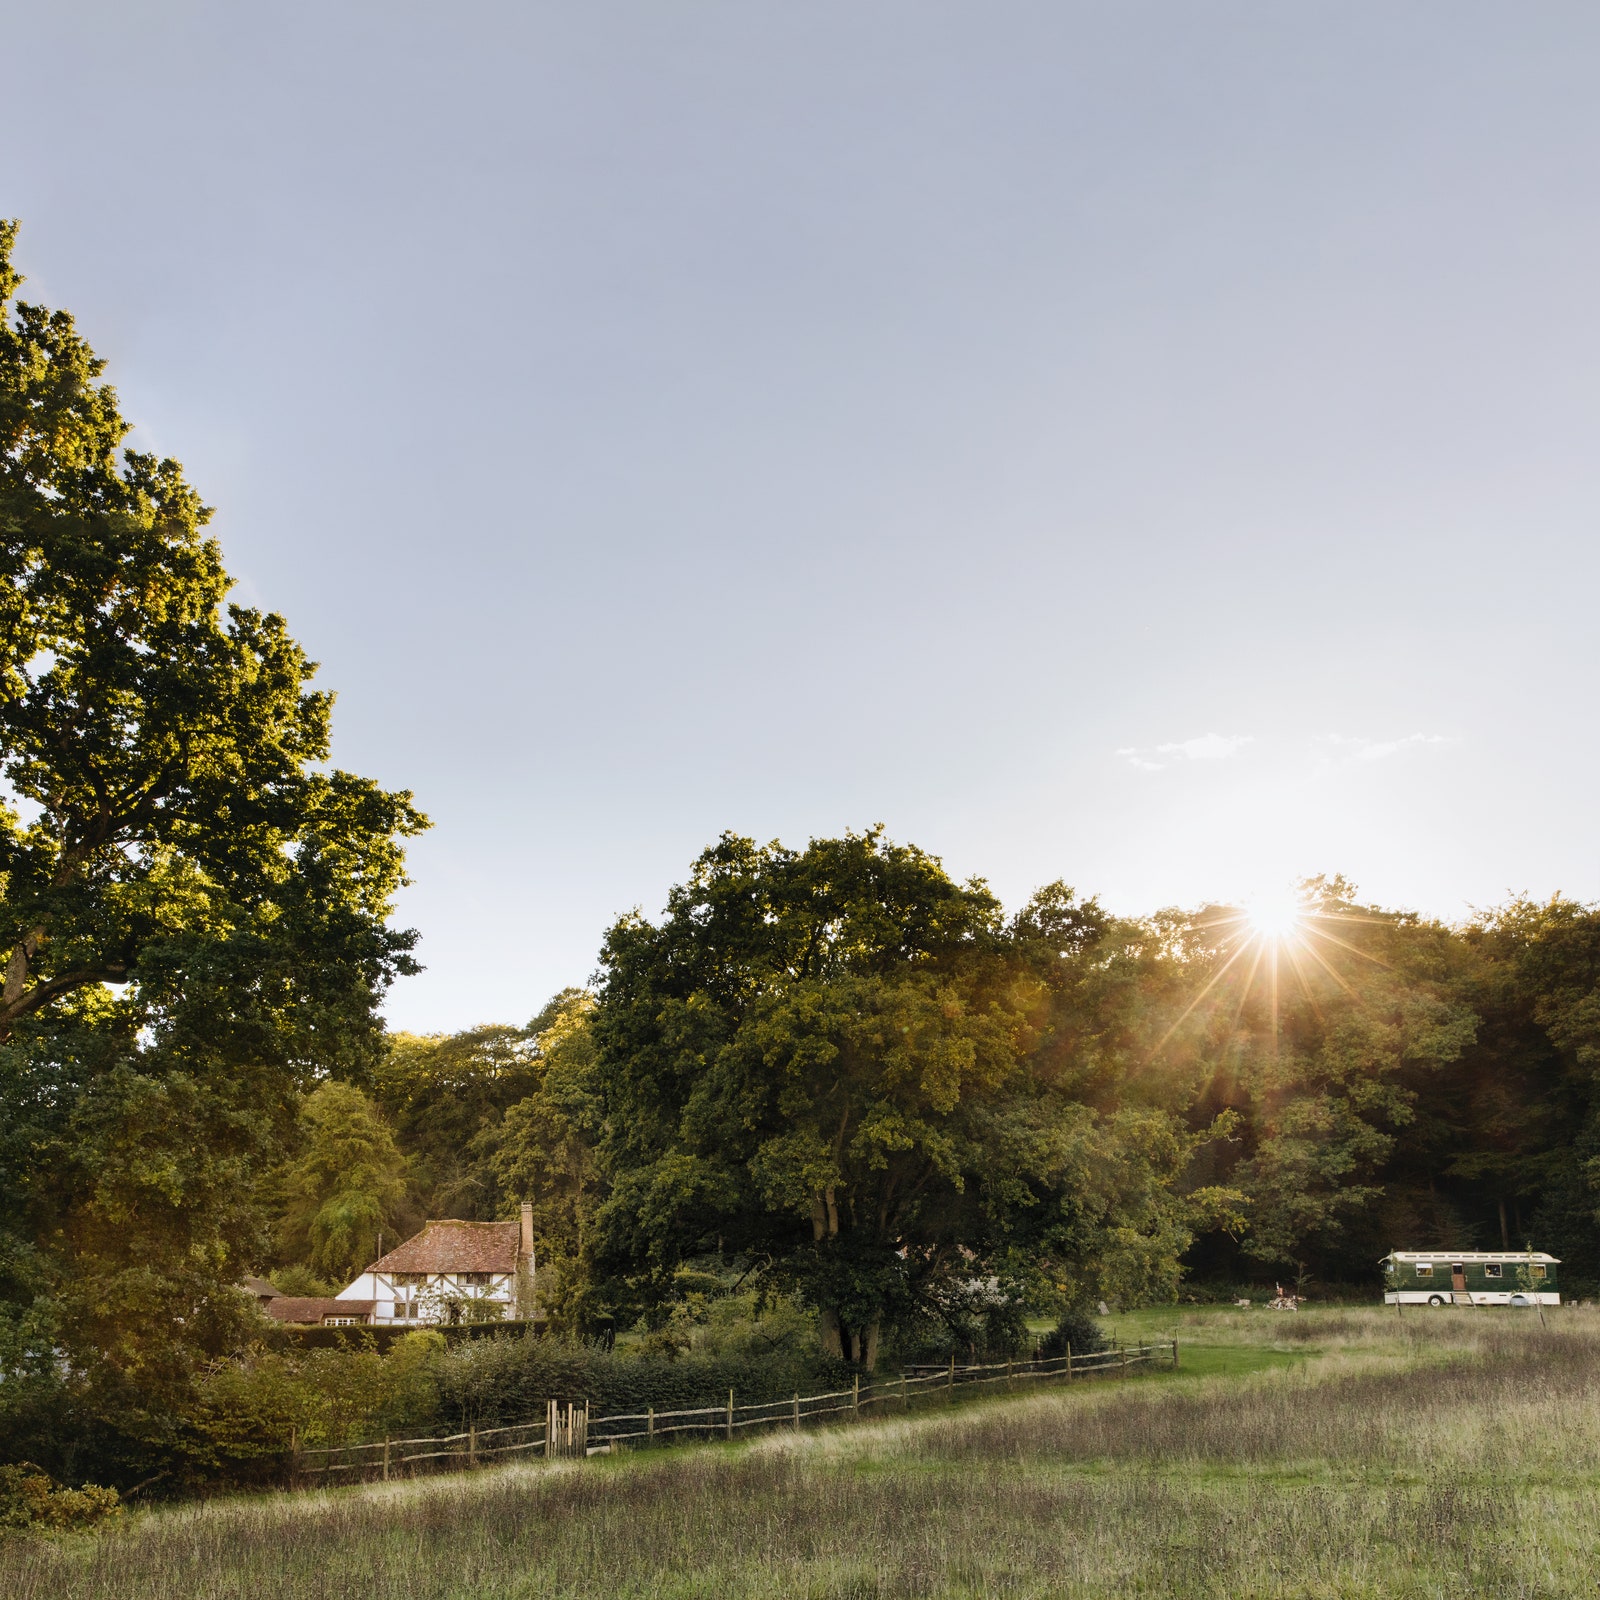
[1270, 936]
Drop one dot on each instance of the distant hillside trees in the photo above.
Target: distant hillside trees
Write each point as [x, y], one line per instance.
[500, 1115]
[345, 1185]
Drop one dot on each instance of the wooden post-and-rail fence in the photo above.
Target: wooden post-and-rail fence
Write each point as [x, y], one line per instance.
[570, 1430]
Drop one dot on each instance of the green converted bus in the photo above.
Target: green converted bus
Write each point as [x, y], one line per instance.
[1469, 1278]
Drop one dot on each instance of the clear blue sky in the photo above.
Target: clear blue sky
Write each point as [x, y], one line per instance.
[1148, 444]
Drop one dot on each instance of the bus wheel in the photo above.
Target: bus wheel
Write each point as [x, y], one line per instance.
[1435, 1299]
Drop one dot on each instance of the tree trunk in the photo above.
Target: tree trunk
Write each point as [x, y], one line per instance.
[831, 1331]
[869, 1345]
[1505, 1232]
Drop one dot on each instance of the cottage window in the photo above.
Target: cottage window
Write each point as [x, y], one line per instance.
[411, 1277]
[1492, 1269]
[1424, 1269]
[476, 1279]
[341, 1322]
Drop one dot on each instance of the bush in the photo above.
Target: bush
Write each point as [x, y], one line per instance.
[493, 1381]
[1078, 1329]
[30, 1500]
[301, 1280]
[250, 1412]
[976, 1328]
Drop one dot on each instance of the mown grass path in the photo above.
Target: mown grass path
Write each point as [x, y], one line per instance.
[1337, 1454]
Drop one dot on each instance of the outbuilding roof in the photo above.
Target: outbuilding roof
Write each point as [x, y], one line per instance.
[456, 1247]
[1465, 1256]
[313, 1308]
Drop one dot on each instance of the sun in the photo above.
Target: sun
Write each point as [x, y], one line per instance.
[1275, 915]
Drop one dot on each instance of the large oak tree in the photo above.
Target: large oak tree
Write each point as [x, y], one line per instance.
[825, 1062]
[192, 907]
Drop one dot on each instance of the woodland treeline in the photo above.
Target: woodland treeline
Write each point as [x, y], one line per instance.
[846, 1074]
[828, 1086]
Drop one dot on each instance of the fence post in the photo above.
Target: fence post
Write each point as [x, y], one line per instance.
[905, 1404]
[472, 1444]
[855, 1395]
[386, 1458]
[650, 1424]
[1069, 1361]
[730, 1414]
[1009, 1385]
[1174, 1352]
[951, 1383]
[1122, 1350]
[550, 1431]
[797, 1411]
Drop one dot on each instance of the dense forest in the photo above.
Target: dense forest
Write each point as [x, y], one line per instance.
[840, 1065]
[827, 1084]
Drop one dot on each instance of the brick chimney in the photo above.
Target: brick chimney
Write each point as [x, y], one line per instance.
[526, 1247]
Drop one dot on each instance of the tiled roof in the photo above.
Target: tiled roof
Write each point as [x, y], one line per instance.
[260, 1288]
[313, 1308]
[456, 1247]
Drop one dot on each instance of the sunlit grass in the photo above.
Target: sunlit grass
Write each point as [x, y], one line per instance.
[1364, 1455]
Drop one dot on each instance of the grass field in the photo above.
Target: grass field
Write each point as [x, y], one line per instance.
[1332, 1453]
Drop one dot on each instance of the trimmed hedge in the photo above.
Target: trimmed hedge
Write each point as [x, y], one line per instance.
[491, 1381]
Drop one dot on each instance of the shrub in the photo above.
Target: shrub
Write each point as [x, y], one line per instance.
[977, 1328]
[1077, 1328]
[30, 1500]
[509, 1380]
[300, 1280]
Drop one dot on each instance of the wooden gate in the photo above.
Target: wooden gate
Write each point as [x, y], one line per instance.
[567, 1430]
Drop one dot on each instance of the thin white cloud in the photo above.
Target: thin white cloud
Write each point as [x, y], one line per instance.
[1378, 749]
[1206, 747]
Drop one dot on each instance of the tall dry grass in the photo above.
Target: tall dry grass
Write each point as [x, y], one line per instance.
[1457, 1457]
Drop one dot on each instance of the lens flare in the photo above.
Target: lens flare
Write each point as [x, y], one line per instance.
[1275, 915]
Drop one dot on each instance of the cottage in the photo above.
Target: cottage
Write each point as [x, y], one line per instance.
[1470, 1278]
[450, 1272]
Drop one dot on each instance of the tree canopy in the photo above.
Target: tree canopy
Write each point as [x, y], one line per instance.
[823, 1060]
[193, 905]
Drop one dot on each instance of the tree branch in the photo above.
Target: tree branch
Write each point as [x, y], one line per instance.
[12, 1012]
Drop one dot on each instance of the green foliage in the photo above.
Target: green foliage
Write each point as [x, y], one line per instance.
[1077, 1331]
[31, 1502]
[300, 1280]
[496, 1116]
[344, 1187]
[251, 1412]
[509, 1380]
[171, 825]
[837, 1063]
[444, 1095]
[542, 1151]
[192, 919]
